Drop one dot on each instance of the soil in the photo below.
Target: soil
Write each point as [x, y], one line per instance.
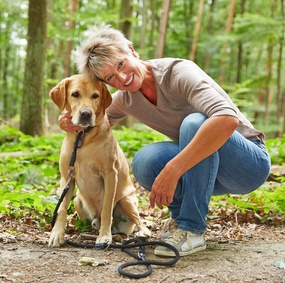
[239, 249]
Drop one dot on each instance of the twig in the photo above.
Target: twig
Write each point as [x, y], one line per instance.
[54, 251]
[163, 278]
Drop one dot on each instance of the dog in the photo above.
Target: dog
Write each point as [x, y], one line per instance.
[101, 172]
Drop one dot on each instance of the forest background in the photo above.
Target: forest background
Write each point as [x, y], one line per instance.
[237, 42]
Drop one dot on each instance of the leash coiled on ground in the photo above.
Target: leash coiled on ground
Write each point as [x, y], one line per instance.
[140, 256]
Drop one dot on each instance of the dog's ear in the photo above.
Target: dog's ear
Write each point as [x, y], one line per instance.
[107, 98]
[59, 94]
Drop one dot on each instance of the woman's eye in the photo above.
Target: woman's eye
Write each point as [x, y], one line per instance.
[109, 78]
[120, 64]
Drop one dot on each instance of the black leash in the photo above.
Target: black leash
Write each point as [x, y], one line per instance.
[140, 256]
[70, 172]
[127, 245]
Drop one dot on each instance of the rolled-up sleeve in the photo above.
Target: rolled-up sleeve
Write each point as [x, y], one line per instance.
[206, 99]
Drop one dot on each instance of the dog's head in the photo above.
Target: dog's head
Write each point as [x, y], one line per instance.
[85, 99]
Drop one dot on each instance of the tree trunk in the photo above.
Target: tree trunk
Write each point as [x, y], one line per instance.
[210, 31]
[240, 49]
[67, 61]
[144, 24]
[163, 27]
[126, 14]
[279, 97]
[228, 29]
[31, 112]
[267, 92]
[152, 29]
[197, 30]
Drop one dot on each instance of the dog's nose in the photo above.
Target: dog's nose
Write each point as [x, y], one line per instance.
[85, 114]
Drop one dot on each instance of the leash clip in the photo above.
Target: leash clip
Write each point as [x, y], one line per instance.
[141, 253]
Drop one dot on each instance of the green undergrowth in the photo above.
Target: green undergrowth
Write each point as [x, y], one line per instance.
[29, 174]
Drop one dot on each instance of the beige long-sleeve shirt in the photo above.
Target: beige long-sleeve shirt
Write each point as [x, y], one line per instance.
[182, 88]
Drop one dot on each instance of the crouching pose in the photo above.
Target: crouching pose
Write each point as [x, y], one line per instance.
[214, 149]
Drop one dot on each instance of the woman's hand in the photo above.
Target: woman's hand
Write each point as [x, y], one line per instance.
[65, 123]
[163, 188]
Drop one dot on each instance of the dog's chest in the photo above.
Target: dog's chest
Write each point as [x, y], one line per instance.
[92, 165]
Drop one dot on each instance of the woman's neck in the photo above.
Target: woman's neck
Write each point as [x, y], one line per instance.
[148, 88]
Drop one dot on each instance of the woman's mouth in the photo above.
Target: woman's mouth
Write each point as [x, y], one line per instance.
[129, 81]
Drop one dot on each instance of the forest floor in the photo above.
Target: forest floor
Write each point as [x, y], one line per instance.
[240, 248]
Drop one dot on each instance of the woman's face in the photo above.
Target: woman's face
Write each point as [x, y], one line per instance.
[126, 74]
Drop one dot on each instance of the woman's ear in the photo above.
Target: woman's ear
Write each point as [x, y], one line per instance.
[133, 52]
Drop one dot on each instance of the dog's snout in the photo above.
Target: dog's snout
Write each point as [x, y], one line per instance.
[85, 114]
[86, 117]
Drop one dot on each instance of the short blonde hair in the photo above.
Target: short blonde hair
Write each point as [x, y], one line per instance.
[100, 48]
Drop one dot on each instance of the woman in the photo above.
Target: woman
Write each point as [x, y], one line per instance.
[214, 149]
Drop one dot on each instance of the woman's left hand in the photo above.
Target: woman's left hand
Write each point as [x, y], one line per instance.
[163, 189]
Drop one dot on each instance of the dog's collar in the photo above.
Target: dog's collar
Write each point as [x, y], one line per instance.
[85, 131]
[79, 140]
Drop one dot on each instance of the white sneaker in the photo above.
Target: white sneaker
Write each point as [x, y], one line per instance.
[169, 226]
[185, 242]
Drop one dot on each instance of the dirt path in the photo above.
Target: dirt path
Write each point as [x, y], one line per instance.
[246, 253]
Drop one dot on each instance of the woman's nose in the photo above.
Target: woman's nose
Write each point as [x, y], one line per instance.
[122, 77]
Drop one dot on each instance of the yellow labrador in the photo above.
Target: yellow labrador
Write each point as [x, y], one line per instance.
[105, 189]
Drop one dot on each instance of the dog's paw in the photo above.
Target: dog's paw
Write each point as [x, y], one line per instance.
[104, 240]
[96, 223]
[143, 233]
[56, 239]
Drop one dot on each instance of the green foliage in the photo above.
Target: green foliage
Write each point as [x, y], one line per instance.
[131, 140]
[276, 149]
[27, 181]
[83, 226]
[29, 170]
[254, 27]
[267, 199]
[259, 26]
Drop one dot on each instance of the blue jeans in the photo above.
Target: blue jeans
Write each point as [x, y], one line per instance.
[238, 167]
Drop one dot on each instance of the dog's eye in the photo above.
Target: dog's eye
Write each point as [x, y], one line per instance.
[75, 94]
[94, 96]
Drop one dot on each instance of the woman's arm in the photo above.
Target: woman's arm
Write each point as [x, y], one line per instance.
[214, 132]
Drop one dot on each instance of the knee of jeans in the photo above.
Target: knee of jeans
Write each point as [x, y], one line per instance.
[142, 170]
[150, 160]
[192, 123]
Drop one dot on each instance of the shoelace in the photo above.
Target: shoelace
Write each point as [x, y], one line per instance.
[176, 236]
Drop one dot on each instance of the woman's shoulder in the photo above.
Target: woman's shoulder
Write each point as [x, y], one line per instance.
[167, 62]
[166, 68]
[168, 65]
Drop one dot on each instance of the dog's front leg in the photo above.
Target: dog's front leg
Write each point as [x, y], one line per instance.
[110, 187]
[57, 233]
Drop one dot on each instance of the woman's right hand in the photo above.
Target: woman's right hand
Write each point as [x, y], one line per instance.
[65, 123]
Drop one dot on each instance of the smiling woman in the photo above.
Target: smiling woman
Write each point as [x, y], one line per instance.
[214, 149]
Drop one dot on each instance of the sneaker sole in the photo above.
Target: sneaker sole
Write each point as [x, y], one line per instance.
[170, 253]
